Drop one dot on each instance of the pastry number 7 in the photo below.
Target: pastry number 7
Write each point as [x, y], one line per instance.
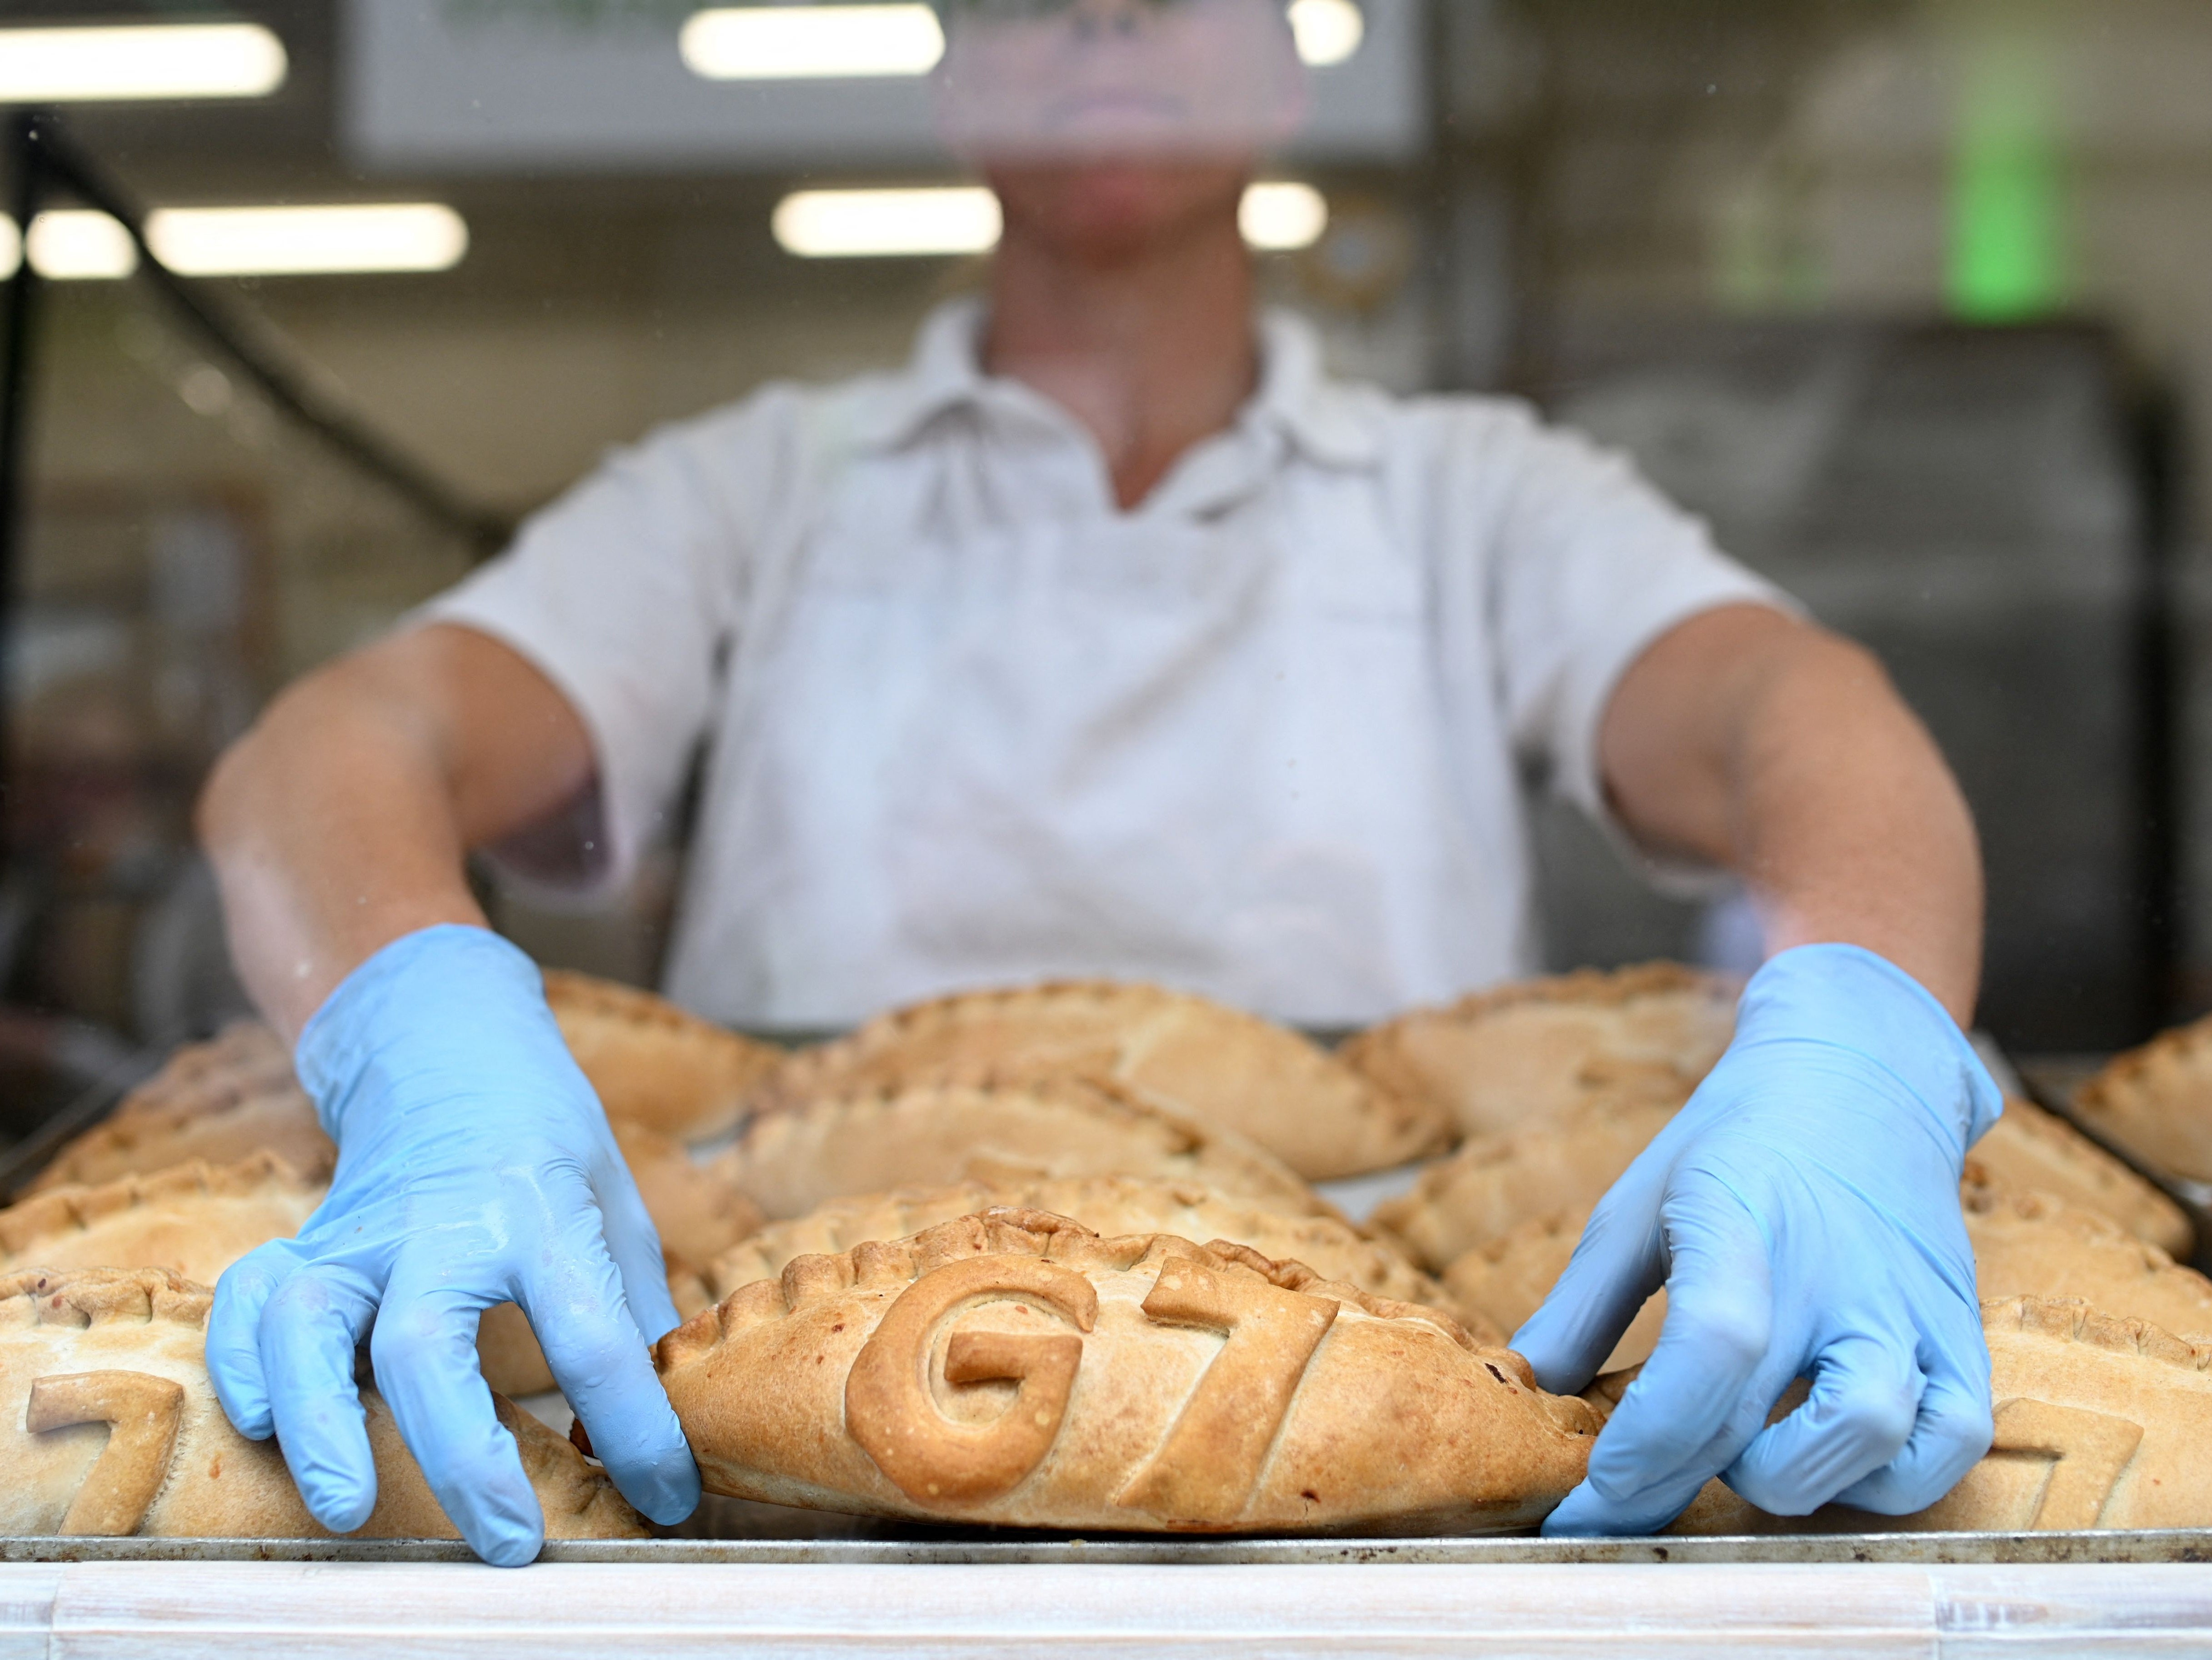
[1205, 1471]
[140, 1412]
[2089, 1450]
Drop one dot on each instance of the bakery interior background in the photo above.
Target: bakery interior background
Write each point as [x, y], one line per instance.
[1908, 297]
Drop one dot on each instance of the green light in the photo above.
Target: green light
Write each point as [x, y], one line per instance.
[2005, 209]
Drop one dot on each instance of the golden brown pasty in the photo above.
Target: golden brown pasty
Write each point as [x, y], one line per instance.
[114, 1429]
[220, 1101]
[2101, 1422]
[2155, 1102]
[1502, 1059]
[1109, 1205]
[1187, 1055]
[653, 1063]
[2037, 1244]
[1018, 1368]
[1494, 1184]
[791, 1161]
[193, 1220]
[2029, 1150]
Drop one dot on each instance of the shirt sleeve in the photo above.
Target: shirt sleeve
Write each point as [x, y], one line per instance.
[1591, 565]
[625, 594]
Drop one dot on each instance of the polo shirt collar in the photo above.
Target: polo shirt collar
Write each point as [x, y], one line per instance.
[1295, 397]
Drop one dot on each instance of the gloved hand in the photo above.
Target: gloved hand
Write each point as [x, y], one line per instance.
[475, 1166]
[1803, 1213]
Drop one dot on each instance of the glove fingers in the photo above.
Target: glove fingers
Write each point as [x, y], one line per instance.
[1951, 1432]
[1617, 1264]
[1864, 1401]
[634, 1243]
[604, 1366]
[233, 1335]
[310, 1327]
[1690, 1412]
[425, 1351]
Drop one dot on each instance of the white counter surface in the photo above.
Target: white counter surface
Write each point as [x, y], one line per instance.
[243, 1610]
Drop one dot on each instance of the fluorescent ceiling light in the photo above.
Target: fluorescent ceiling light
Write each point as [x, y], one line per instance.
[830, 224]
[1279, 217]
[843, 224]
[783, 43]
[1328, 31]
[77, 242]
[286, 241]
[290, 242]
[148, 60]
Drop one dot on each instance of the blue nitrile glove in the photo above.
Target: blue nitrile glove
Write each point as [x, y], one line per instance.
[475, 1167]
[1803, 1213]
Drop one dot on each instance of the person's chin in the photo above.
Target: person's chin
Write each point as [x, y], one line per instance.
[1108, 201]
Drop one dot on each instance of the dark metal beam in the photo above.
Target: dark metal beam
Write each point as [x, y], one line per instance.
[18, 334]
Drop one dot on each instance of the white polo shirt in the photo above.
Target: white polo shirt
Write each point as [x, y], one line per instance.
[1267, 736]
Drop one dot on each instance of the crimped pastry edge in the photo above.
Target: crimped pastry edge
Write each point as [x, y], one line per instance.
[1007, 1232]
[55, 1212]
[1097, 1096]
[813, 1073]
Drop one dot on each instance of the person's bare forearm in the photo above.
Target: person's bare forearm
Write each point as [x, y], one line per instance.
[341, 822]
[331, 835]
[1783, 753]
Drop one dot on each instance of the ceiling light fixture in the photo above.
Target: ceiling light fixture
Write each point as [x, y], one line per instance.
[308, 241]
[1280, 217]
[86, 64]
[76, 243]
[784, 43]
[846, 224]
[833, 224]
[1328, 31]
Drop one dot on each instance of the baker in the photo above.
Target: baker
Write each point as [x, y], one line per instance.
[1110, 637]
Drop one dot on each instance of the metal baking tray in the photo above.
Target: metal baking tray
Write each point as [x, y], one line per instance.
[732, 1532]
[955, 1548]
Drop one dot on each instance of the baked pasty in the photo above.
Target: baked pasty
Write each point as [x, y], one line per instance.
[1500, 1059]
[2101, 1422]
[193, 1220]
[2029, 1150]
[1494, 1184]
[114, 1429]
[1109, 1205]
[653, 1063]
[2155, 1102]
[221, 1101]
[1187, 1055]
[2037, 1244]
[791, 1161]
[1018, 1368]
